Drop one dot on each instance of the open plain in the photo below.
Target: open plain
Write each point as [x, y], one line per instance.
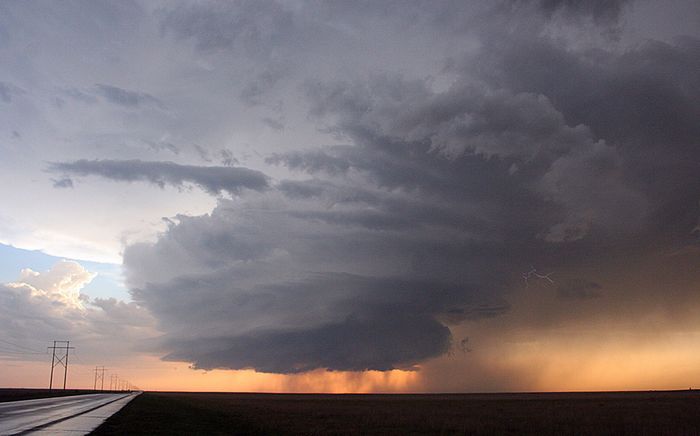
[612, 413]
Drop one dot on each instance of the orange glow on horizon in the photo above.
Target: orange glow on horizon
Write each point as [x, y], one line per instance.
[547, 364]
[152, 374]
[585, 364]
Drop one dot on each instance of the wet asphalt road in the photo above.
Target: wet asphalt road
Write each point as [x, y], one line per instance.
[19, 417]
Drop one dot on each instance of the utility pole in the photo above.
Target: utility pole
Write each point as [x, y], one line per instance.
[59, 360]
[99, 375]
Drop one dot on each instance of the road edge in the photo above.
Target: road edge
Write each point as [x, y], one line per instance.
[66, 418]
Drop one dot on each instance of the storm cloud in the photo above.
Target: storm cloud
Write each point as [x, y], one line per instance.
[433, 208]
[414, 173]
[212, 179]
[435, 205]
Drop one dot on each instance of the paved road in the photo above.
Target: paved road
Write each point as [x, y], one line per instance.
[23, 417]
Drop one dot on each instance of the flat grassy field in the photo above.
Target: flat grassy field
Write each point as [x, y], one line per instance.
[674, 413]
[12, 394]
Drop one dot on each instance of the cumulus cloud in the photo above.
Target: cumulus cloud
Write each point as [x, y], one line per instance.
[42, 306]
[212, 179]
[62, 283]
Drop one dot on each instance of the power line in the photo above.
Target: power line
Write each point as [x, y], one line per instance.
[10, 351]
[59, 360]
[19, 346]
[99, 375]
[77, 357]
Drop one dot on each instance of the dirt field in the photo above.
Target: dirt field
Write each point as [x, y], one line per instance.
[638, 413]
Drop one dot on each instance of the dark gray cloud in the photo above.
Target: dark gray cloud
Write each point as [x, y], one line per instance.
[379, 343]
[279, 277]
[127, 98]
[578, 289]
[435, 197]
[449, 144]
[655, 78]
[258, 27]
[643, 100]
[202, 152]
[252, 93]
[605, 11]
[227, 158]
[363, 323]
[212, 179]
[81, 96]
[273, 123]
[426, 154]
[159, 146]
[65, 182]
[9, 91]
[312, 161]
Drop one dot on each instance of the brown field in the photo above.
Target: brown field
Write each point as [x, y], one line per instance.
[674, 413]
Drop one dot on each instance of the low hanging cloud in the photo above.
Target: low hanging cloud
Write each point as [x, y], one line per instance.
[276, 284]
[212, 179]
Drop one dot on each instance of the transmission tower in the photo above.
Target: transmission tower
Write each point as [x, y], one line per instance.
[59, 360]
[99, 376]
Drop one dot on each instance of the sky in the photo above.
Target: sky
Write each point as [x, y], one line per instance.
[369, 196]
